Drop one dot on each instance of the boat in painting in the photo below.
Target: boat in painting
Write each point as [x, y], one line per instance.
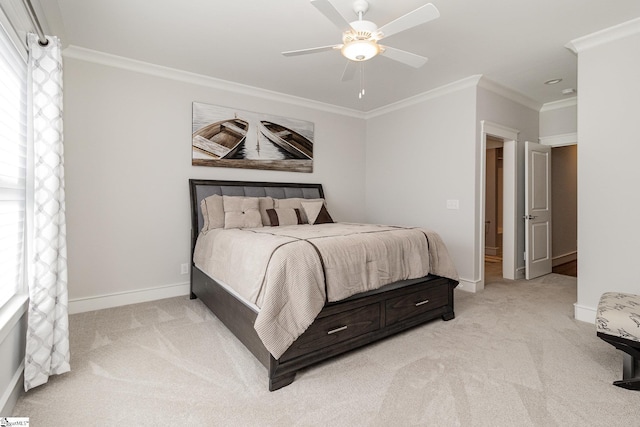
[287, 139]
[221, 140]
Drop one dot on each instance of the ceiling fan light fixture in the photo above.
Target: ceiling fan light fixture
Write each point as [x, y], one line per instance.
[360, 50]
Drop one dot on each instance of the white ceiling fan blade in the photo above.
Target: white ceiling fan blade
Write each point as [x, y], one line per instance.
[350, 70]
[311, 50]
[327, 9]
[423, 14]
[408, 58]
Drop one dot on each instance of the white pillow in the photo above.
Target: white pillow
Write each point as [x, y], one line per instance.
[264, 204]
[212, 213]
[241, 212]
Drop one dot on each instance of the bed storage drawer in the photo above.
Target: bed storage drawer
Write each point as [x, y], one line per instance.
[415, 304]
[336, 328]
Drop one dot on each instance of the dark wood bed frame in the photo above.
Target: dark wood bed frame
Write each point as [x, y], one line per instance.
[340, 326]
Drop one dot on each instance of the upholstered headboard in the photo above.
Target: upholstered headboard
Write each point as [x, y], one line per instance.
[200, 189]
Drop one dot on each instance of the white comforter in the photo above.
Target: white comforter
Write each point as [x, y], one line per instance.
[285, 270]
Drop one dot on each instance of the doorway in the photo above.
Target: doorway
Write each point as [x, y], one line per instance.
[564, 222]
[513, 202]
[493, 210]
[510, 202]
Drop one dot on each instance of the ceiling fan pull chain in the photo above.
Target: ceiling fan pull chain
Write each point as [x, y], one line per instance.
[361, 94]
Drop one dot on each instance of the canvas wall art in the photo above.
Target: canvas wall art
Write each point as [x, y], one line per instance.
[232, 138]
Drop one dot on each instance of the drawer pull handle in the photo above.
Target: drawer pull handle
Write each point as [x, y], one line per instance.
[418, 304]
[333, 331]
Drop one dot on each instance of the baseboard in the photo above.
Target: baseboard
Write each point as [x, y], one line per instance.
[470, 285]
[584, 313]
[81, 305]
[12, 393]
[491, 250]
[564, 258]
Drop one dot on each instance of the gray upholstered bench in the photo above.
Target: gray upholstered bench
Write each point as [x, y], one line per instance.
[618, 323]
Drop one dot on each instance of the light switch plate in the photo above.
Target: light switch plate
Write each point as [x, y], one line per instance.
[453, 204]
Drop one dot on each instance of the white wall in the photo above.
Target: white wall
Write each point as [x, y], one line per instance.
[417, 158]
[559, 118]
[423, 154]
[608, 172]
[127, 165]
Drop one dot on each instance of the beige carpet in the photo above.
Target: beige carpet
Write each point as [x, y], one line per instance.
[513, 356]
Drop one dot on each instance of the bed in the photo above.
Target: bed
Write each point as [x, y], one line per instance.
[342, 321]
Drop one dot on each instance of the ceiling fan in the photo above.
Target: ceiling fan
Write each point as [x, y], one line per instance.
[360, 38]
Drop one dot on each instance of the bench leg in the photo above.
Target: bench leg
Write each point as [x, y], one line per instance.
[629, 379]
[630, 361]
[628, 384]
[628, 366]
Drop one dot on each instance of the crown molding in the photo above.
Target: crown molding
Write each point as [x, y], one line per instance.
[510, 94]
[476, 80]
[605, 36]
[89, 55]
[559, 140]
[465, 83]
[556, 105]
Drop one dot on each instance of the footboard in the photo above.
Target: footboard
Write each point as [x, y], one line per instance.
[340, 326]
[363, 319]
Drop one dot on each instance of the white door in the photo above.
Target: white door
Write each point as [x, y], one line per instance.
[537, 209]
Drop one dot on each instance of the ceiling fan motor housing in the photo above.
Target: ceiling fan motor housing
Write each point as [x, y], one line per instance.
[361, 30]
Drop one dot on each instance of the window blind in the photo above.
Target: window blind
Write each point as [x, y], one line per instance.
[13, 167]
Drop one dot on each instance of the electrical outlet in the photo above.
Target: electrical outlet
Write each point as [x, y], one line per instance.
[184, 268]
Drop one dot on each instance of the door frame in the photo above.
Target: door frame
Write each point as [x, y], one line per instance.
[510, 199]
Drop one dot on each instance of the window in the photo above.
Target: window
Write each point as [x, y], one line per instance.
[13, 162]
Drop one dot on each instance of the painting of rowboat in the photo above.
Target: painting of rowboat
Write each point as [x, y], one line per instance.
[226, 137]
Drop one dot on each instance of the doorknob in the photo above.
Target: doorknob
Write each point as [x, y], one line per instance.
[530, 217]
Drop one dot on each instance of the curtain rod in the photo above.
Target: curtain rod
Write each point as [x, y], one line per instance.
[42, 39]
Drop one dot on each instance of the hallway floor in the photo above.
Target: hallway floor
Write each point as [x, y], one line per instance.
[568, 269]
[493, 269]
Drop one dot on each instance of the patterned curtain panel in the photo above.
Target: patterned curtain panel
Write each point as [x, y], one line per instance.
[47, 351]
